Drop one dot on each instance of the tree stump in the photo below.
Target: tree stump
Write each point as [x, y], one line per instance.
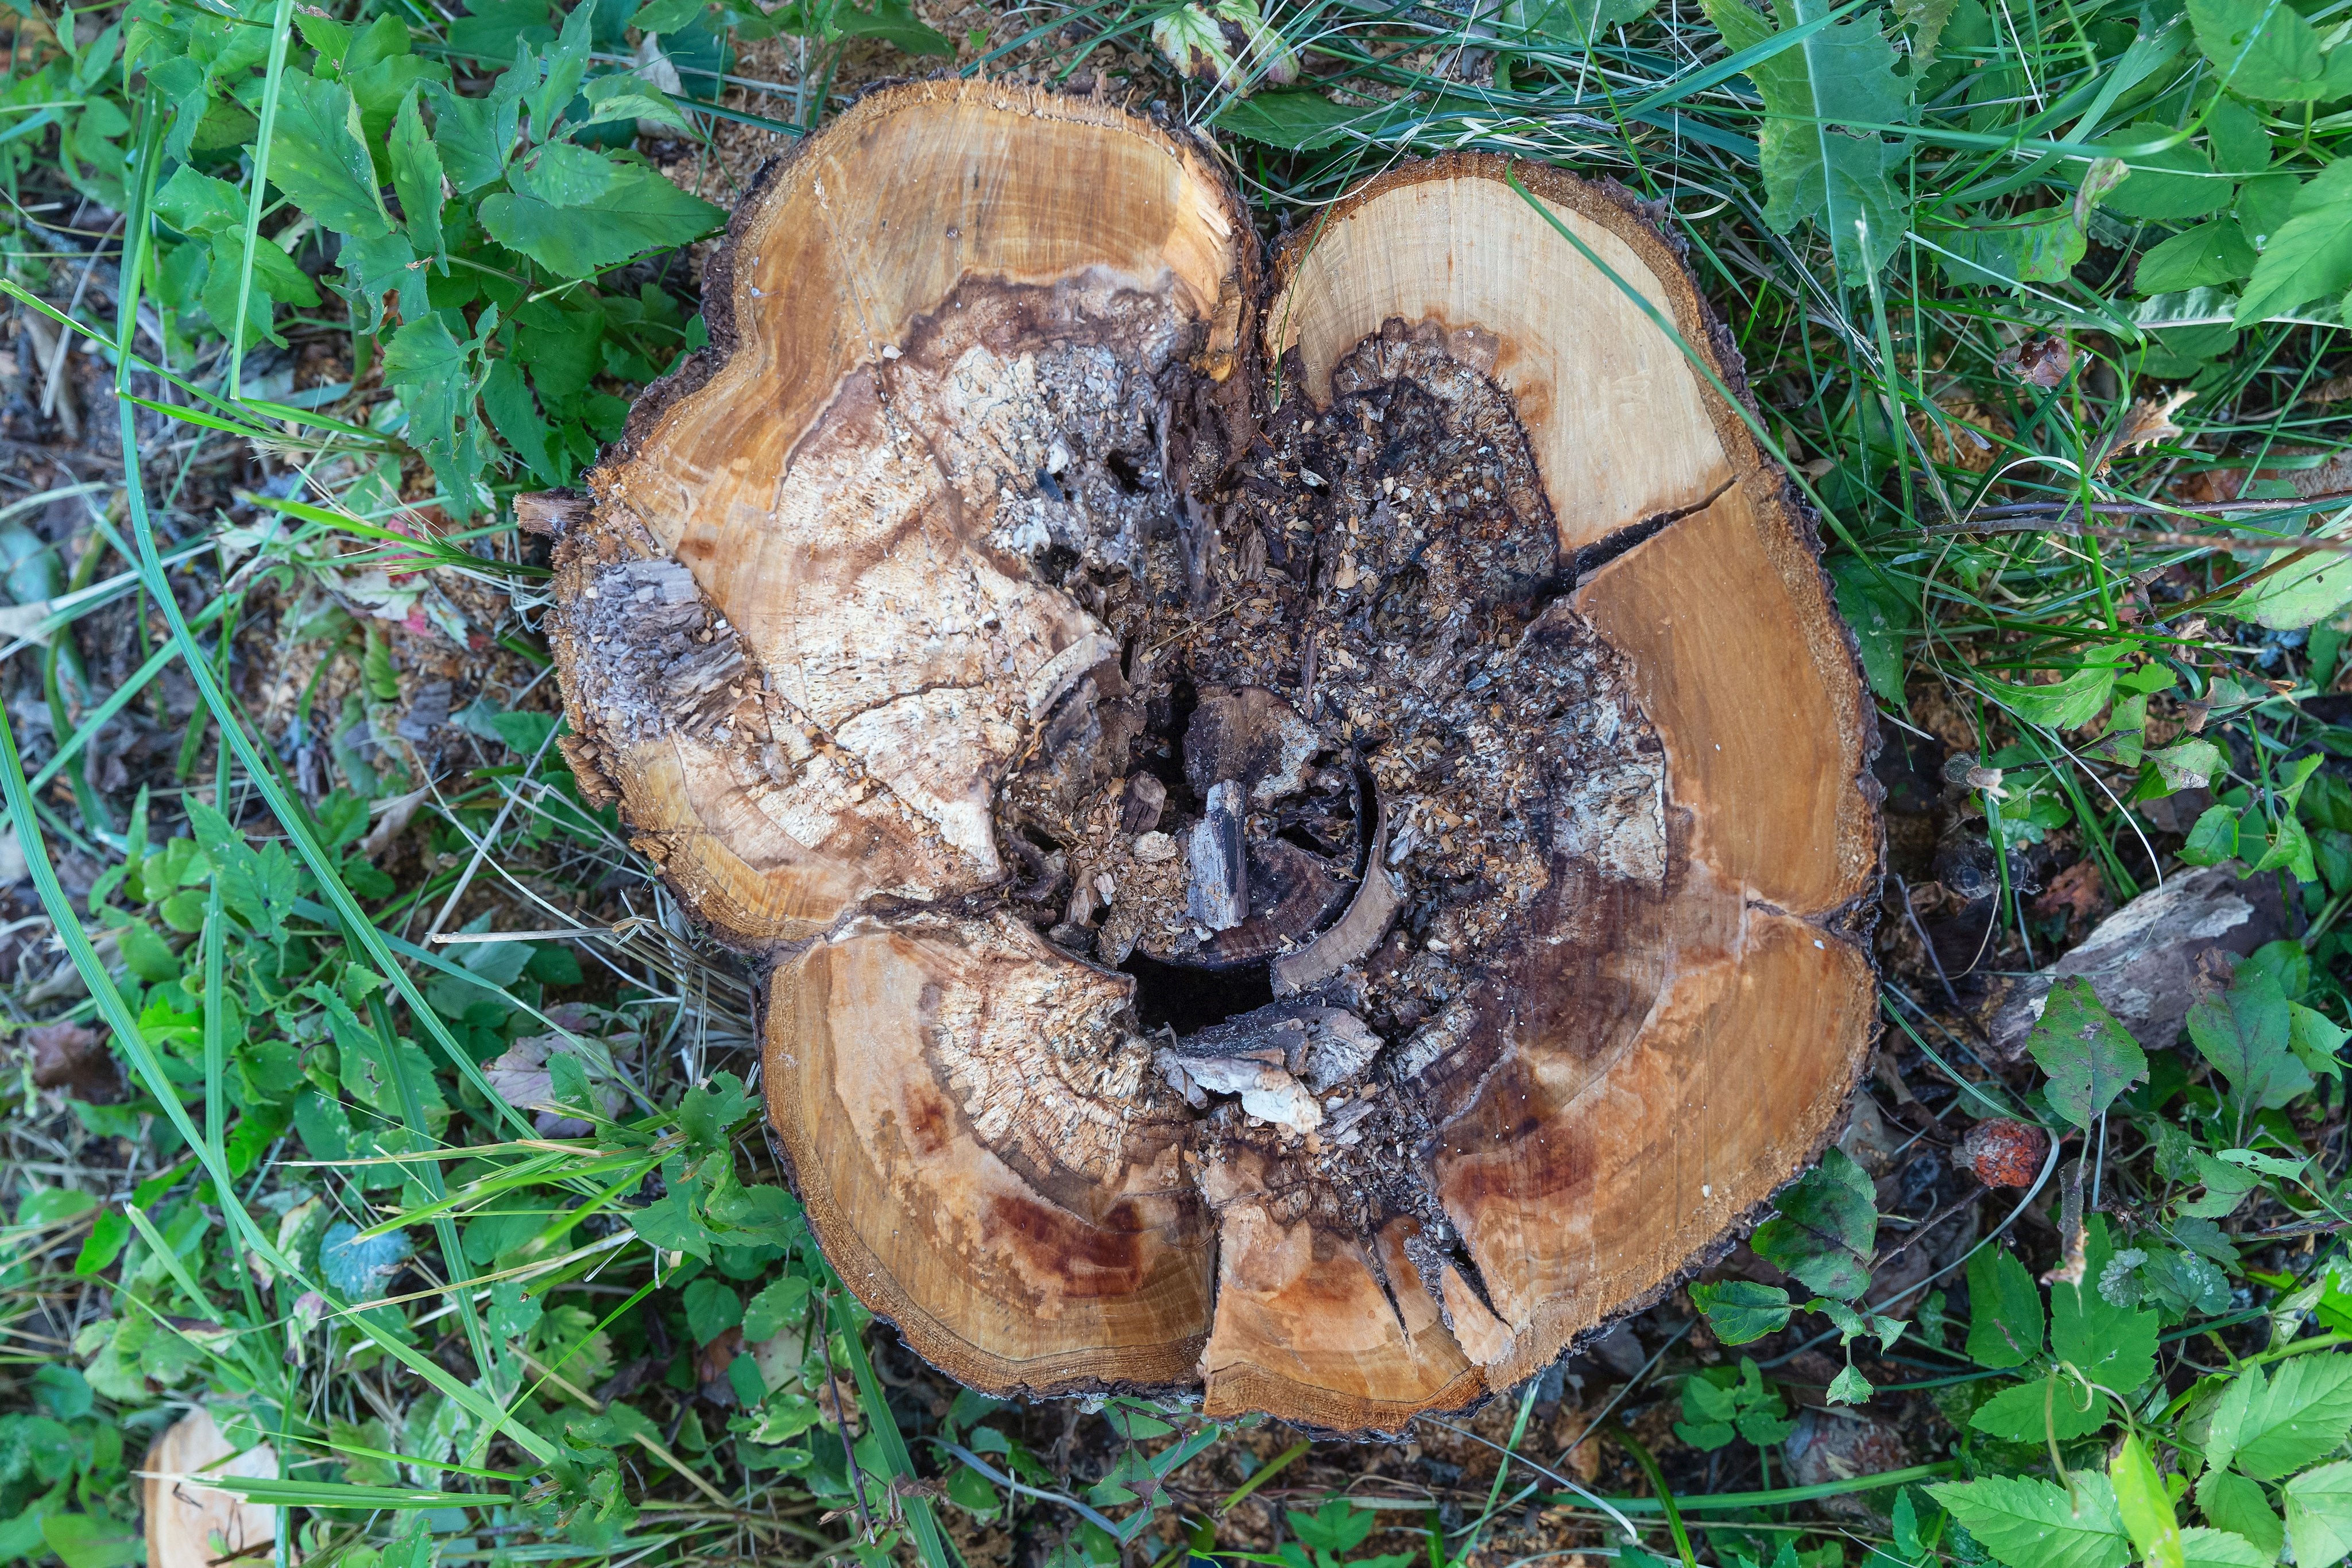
[1312, 833]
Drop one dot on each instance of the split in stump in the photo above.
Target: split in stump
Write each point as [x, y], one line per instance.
[1313, 832]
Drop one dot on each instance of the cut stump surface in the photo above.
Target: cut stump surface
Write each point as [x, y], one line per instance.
[1313, 831]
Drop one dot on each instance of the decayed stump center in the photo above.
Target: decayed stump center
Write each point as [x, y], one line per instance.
[1310, 847]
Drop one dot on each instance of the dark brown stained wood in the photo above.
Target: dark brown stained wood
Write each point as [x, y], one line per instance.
[1314, 839]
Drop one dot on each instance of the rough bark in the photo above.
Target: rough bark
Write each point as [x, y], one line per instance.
[1313, 839]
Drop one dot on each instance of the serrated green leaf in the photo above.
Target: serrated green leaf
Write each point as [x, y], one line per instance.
[319, 157]
[2204, 1548]
[2030, 1524]
[1848, 1387]
[2226, 1188]
[1572, 23]
[432, 372]
[476, 135]
[2236, 1506]
[1881, 618]
[2050, 1405]
[670, 1223]
[615, 98]
[707, 1114]
[2319, 1515]
[895, 23]
[2278, 1423]
[561, 70]
[2265, 50]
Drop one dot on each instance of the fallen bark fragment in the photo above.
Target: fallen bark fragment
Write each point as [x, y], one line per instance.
[2150, 960]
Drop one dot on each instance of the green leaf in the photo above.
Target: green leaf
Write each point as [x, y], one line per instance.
[775, 1307]
[2005, 1320]
[2236, 1504]
[199, 205]
[2145, 1506]
[2272, 1428]
[1927, 20]
[1572, 23]
[2210, 254]
[1848, 1387]
[2112, 1345]
[476, 135]
[1842, 75]
[2319, 1515]
[1880, 617]
[430, 369]
[563, 67]
[712, 1308]
[2310, 256]
[669, 1223]
[2240, 144]
[82, 1542]
[1741, 1310]
[2030, 1524]
[2052, 1405]
[1823, 1233]
[895, 23]
[2089, 1057]
[2203, 1548]
[2316, 1038]
[2265, 50]
[2300, 591]
[638, 211]
[2187, 765]
[1338, 1526]
[2226, 1188]
[319, 157]
[2244, 1033]
[518, 422]
[2165, 186]
[2215, 837]
[1298, 120]
[416, 176]
[617, 97]
[2072, 701]
[2044, 249]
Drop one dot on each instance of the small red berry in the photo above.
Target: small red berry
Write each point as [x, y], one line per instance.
[2005, 1153]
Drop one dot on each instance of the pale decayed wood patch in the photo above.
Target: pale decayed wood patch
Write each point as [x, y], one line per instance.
[1312, 837]
[190, 1525]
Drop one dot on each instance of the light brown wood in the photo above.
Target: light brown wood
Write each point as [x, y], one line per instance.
[1316, 844]
[189, 1525]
